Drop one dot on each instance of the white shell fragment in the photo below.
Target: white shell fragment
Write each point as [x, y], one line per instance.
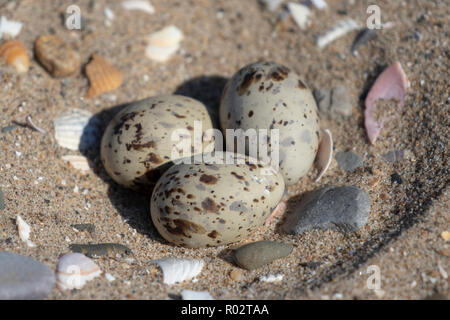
[74, 270]
[138, 5]
[300, 14]
[324, 154]
[109, 277]
[24, 231]
[336, 32]
[109, 15]
[196, 295]
[9, 27]
[164, 43]
[77, 130]
[319, 4]
[178, 270]
[271, 278]
[78, 162]
[167, 37]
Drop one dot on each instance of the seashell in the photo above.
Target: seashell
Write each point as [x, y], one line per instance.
[10, 28]
[74, 270]
[167, 37]
[271, 278]
[77, 130]
[196, 295]
[15, 55]
[392, 83]
[300, 14]
[103, 76]
[56, 56]
[178, 270]
[109, 277]
[138, 5]
[163, 43]
[24, 231]
[324, 154]
[336, 32]
[160, 54]
[78, 162]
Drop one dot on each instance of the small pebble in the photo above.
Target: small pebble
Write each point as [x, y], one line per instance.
[340, 101]
[394, 156]
[323, 101]
[2, 200]
[89, 227]
[58, 58]
[258, 254]
[348, 161]
[23, 278]
[344, 209]
[237, 275]
[8, 129]
[334, 103]
[396, 178]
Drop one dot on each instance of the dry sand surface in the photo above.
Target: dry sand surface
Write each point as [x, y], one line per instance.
[403, 235]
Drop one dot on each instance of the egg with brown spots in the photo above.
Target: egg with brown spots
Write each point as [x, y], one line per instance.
[212, 203]
[142, 139]
[269, 96]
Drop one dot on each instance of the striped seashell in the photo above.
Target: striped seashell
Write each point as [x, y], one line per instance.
[16, 55]
[178, 270]
[74, 270]
[103, 76]
[77, 130]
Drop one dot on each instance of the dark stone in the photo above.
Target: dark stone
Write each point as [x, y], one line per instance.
[344, 209]
[395, 178]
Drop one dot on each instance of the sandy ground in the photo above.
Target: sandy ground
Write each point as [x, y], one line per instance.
[403, 234]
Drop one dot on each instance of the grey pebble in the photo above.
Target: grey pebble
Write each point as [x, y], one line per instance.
[323, 101]
[8, 129]
[349, 161]
[394, 156]
[335, 102]
[23, 278]
[258, 254]
[343, 209]
[2, 200]
[340, 101]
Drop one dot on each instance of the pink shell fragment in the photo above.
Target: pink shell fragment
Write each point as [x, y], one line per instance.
[392, 83]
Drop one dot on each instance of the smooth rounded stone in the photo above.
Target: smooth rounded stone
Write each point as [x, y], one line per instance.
[23, 278]
[343, 209]
[258, 254]
[348, 161]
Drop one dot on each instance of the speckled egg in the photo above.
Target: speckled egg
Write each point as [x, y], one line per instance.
[204, 204]
[142, 139]
[266, 95]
